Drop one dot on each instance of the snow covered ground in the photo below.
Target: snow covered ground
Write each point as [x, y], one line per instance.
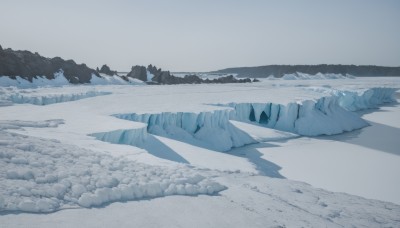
[161, 156]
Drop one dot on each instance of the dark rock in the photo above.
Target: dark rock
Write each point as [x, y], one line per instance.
[138, 72]
[256, 80]
[193, 79]
[165, 77]
[29, 65]
[106, 70]
[153, 70]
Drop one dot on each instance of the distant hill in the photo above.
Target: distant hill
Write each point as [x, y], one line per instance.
[280, 70]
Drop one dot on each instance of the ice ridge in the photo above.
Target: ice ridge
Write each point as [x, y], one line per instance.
[328, 115]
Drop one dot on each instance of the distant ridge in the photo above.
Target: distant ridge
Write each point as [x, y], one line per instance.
[280, 70]
[24, 67]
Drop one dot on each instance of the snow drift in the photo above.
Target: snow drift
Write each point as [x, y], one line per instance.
[60, 80]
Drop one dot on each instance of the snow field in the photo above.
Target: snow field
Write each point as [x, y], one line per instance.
[38, 175]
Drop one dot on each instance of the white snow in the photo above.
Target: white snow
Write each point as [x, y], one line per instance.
[113, 80]
[39, 81]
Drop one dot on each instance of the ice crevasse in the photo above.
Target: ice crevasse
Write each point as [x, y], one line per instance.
[328, 115]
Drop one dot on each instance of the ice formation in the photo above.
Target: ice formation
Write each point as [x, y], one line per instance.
[212, 128]
[134, 137]
[328, 115]
[38, 175]
[10, 97]
[365, 99]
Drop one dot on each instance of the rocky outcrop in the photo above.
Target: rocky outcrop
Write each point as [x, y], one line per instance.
[29, 65]
[106, 70]
[165, 77]
[280, 70]
[138, 72]
[153, 70]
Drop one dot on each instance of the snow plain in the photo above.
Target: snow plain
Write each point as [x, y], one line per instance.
[180, 143]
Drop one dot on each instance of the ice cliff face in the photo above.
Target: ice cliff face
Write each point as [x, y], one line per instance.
[372, 98]
[212, 128]
[325, 116]
[19, 98]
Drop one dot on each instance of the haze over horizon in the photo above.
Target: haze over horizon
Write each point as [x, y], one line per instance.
[205, 35]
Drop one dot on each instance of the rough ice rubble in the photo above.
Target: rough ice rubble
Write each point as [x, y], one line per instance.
[17, 124]
[38, 175]
[328, 115]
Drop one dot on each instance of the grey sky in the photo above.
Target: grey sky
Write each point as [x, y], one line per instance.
[205, 35]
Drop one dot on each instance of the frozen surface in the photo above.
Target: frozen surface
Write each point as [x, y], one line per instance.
[169, 136]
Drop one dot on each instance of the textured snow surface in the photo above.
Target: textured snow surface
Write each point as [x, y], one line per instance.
[38, 175]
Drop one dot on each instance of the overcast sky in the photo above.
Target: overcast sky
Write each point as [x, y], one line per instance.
[205, 35]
